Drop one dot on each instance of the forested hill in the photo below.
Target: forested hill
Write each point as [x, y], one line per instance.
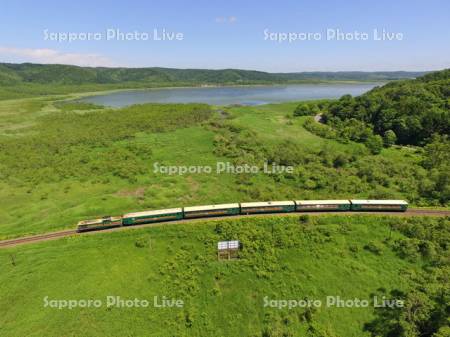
[352, 75]
[27, 73]
[410, 111]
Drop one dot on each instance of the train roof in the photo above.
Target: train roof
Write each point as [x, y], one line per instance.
[323, 202]
[267, 203]
[210, 207]
[99, 220]
[89, 222]
[154, 212]
[379, 202]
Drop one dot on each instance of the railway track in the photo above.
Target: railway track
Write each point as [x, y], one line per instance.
[427, 212]
[37, 238]
[67, 233]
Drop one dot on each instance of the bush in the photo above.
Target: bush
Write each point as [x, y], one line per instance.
[319, 129]
[353, 248]
[374, 144]
[408, 249]
[340, 160]
[142, 242]
[389, 138]
[374, 247]
[306, 109]
[304, 219]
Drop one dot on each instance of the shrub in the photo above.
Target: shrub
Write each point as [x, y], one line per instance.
[389, 138]
[374, 247]
[142, 242]
[374, 144]
[304, 219]
[340, 160]
[305, 109]
[407, 249]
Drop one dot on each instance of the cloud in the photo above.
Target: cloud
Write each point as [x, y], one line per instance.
[53, 56]
[226, 19]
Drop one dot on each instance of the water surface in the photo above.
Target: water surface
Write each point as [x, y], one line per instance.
[246, 95]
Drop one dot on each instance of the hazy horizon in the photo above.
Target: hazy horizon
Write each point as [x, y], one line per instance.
[244, 69]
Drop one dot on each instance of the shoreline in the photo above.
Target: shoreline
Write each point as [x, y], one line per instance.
[76, 95]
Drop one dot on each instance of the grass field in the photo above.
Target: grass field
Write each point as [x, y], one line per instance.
[63, 161]
[281, 258]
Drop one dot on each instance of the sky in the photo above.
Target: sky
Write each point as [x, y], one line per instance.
[273, 36]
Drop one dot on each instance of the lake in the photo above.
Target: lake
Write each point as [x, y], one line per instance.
[246, 95]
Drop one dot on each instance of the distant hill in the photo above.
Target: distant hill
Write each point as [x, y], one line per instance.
[352, 75]
[29, 80]
[29, 73]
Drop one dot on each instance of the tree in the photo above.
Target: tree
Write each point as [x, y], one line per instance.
[389, 138]
[437, 152]
[302, 110]
[306, 109]
[374, 144]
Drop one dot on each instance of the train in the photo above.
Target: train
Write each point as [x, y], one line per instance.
[245, 208]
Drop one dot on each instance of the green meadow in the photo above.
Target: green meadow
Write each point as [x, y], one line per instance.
[282, 258]
[62, 161]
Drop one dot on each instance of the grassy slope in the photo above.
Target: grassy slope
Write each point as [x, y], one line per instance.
[52, 206]
[293, 261]
[274, 122]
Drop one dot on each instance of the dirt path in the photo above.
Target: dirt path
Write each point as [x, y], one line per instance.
[67, 233]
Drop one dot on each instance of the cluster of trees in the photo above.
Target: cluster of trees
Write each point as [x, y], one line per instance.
[352, 130]
[306, 109]
[437, 162]
[403, 112]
